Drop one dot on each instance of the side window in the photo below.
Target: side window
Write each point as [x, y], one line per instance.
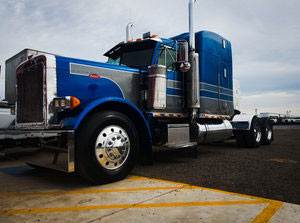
[167, 57]
[112, 61]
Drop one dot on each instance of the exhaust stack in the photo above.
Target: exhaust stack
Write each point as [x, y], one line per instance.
[191, 25]
[192, 77]
[129, 31]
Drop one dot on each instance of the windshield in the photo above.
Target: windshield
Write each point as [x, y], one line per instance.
[140, 58]
[137, 54]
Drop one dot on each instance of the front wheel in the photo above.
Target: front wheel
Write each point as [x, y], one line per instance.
[106, 147]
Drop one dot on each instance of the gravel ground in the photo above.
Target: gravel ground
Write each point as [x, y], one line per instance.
[269, 171]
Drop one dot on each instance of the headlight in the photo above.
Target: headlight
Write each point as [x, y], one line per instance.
[59, 104]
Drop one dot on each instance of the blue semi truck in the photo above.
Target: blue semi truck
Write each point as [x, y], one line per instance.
[98, 119]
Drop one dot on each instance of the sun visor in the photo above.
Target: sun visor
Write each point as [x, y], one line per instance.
[117, 50]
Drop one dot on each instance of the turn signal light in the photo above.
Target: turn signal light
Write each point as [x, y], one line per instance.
[74, 102]
[153, 36]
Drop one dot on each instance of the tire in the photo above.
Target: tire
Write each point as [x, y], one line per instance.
[253, 137]
[106, 147]
[267, 131]
[240, 138]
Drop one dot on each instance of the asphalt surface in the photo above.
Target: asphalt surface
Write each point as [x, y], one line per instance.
[271, 172]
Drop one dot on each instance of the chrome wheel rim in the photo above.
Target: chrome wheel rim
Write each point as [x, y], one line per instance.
[112, 147]
[257, 134]
[269, 134]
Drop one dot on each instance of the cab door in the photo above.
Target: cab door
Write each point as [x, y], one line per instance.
[224, 91]
[175, 86]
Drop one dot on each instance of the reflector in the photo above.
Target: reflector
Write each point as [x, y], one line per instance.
[74, 102]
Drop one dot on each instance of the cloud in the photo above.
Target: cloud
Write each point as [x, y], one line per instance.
[264, 34]
[273, 101]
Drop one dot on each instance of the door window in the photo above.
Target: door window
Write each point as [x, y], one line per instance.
[167, 57]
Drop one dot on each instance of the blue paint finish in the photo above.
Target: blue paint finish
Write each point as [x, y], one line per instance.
[215, 95]
[209, 94]
[175, 75]
[173, 91]
[100, 101]
[155, 52]
[213, 59]
[82, 86]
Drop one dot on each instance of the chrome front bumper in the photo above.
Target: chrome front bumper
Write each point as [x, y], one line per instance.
[56, 149]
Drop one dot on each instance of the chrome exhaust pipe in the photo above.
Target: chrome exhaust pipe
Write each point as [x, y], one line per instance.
[129, 31]
[191, 25]
[193, 91]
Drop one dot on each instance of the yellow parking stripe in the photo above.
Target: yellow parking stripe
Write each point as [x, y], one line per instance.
[120, 206]
[264, 216]
[268, 212]
[133, 177]
[93, 191]
[204, 188]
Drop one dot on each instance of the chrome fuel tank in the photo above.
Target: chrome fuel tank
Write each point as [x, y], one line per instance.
[157, 87]
[213, 132]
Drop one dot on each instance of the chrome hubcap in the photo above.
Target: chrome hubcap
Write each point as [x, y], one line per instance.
[112, 147]
[269, 134]
[257, 134]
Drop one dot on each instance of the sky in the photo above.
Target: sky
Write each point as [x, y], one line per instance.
[265, 37]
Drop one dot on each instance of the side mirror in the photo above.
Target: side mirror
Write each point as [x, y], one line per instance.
[183, 51]
[185, 67]
[183, 56]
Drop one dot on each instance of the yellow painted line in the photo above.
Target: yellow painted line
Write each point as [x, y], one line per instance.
[133, 177]
[203, 188]
[120, 206]
[268, 212]
[93, 191]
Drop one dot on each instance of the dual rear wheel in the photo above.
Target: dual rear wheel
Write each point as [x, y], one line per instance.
[260, 133]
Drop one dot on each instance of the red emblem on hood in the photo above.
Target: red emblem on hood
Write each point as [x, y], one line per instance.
[94, 76]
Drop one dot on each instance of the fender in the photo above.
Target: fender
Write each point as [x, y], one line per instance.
[101, 101]
[242, 122]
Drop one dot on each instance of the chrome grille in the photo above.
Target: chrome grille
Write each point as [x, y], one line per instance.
[30, 100]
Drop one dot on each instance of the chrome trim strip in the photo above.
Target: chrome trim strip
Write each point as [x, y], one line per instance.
[104, 68]
[216, 99]
[212, 85]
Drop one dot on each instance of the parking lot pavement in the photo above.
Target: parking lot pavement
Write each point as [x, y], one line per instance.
[271, 171]
[32, 195]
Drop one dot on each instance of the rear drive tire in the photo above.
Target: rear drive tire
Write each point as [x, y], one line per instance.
[106, 147]
[240, 138]
[253, 137]
[267, 131]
